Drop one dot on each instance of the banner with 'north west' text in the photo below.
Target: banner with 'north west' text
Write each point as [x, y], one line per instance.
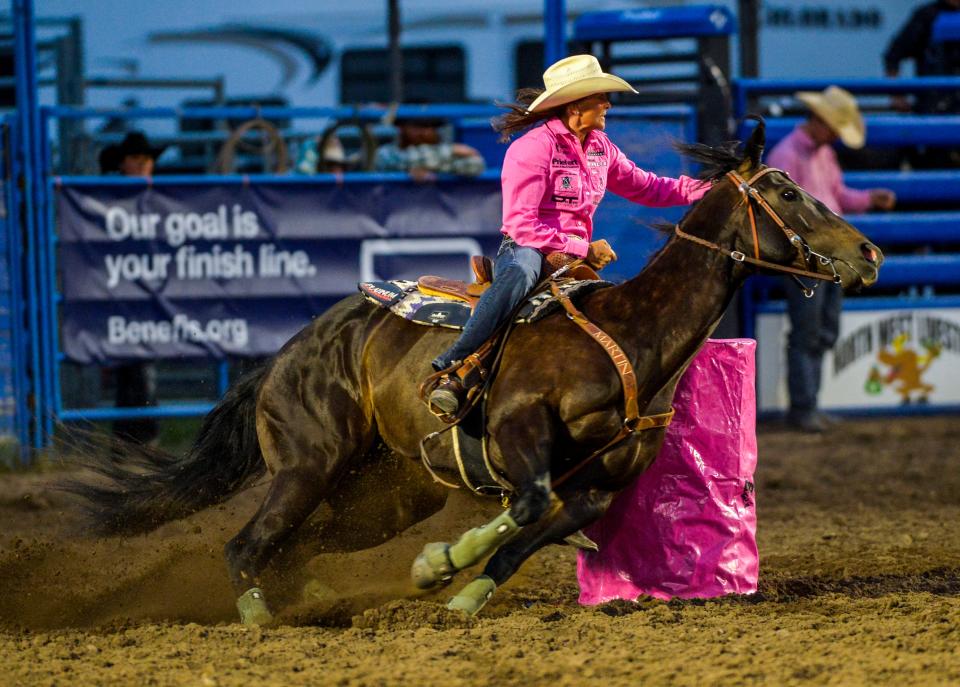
[233, 269]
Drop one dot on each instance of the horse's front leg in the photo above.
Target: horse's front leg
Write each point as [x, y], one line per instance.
[528, 468]
[439, 561]
[576, 504]
[566, 517]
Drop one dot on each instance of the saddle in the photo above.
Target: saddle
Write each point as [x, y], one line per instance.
[483, 274]
[475, 370]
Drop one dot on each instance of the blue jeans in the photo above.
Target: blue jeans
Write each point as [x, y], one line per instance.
[814, 326]
[515, 272]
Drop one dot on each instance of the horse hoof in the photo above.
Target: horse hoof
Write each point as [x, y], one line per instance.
[432, 567]
[253, 608]
[474, 596]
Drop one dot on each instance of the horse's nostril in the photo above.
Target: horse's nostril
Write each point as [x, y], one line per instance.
[870, 253]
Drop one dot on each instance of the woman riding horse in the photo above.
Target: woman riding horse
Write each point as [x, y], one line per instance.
[553, 178]
[335, 420]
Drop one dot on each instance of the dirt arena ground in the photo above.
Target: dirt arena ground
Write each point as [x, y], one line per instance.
[859, 535]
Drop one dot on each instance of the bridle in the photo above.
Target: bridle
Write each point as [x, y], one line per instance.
[749, 196]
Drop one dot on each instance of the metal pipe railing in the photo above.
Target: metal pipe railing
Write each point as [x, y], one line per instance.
[744, 88]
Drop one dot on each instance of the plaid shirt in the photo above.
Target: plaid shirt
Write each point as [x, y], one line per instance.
[435, 158]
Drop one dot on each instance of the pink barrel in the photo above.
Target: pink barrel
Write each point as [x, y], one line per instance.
[687, 527]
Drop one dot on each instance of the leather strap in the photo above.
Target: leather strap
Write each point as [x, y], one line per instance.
[749, 194]
[620, 361]
[740, 257]
[643, 424]
[633, 421]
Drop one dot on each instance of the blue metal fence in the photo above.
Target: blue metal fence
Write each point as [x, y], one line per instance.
[28, 175]
[14, 414]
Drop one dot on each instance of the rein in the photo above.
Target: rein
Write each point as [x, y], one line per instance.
[749, 195]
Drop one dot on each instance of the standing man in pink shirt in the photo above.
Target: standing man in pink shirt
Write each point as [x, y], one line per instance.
[553, 178]
[807, 155]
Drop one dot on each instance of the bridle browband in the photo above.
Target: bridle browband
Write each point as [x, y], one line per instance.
[749, 195]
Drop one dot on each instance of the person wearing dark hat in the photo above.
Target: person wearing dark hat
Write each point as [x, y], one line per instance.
[421, 151]
[132, 157]
[136, 381]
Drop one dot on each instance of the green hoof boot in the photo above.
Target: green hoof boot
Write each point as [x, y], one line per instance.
[432, 567]
[474, 596]
[253, 608]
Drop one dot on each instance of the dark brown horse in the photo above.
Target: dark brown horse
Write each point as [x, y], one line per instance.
[341, 397]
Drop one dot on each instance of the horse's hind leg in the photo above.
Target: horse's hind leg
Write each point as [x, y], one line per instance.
[293, 495]
[306, 443]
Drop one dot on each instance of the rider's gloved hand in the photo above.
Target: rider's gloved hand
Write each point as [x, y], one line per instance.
[600, 254]
[555, 261]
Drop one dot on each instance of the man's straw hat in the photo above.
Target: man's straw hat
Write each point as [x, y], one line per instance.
[839, 110]
[573, 78]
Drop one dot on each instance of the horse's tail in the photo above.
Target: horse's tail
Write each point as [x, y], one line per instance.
[146, 487]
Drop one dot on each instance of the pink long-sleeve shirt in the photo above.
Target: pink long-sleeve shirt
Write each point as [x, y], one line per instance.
[552, 186]
[816, 170]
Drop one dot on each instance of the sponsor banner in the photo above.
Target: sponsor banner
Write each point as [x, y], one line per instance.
[178, 270]
[883, 359]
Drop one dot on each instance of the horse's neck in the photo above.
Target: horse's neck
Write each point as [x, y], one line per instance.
[672, 306]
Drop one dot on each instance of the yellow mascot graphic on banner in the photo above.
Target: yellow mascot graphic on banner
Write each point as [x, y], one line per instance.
[906, 367]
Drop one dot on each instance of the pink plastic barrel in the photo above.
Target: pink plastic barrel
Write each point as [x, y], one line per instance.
[687, 527]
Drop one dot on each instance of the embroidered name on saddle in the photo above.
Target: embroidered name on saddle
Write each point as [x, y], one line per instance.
[405, 300]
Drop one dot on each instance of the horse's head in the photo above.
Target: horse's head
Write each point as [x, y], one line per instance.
[774, 224]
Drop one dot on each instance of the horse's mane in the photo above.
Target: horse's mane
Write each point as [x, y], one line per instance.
[716, 160]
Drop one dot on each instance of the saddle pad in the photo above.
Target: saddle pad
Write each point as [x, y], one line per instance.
[543, 302]
[402, 298]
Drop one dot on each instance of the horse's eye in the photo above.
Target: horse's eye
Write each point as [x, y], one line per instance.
[790, 195]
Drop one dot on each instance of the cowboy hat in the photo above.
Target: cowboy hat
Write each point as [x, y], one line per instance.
[839, 110]
[134, 143]
[573, 78]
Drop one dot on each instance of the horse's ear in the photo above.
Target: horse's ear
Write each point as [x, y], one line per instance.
[753, 149]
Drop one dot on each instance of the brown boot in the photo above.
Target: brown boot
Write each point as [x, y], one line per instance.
[445, 397]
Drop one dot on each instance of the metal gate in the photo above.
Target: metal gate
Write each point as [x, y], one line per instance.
[14, 394]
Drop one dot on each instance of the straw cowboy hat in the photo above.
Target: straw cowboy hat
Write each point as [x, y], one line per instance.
[839, 110]
[573, 78]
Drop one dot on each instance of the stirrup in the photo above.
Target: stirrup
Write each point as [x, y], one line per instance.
[444, 399]
[431, 385]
